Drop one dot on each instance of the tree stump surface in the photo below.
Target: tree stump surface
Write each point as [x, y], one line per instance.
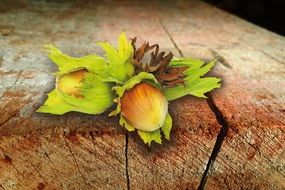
[233, 140]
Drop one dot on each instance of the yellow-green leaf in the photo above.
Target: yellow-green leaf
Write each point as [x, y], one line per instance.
[97, 95]
[125, 124]
[189, 62]
[66, 63]
[125, 48]
[148, 137]
[56, 105]
[193, 74]
[193, 83]
[119, 60]
[142, 76]
[197, 88]
[166, 128]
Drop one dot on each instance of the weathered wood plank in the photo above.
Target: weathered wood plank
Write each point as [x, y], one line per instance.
[40, 151]
[179, 163]
[56, 161]
[94, 149]
[251, 99]
[80, 151]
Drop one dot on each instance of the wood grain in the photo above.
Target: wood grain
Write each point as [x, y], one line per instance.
[252, 98]
[78, 151]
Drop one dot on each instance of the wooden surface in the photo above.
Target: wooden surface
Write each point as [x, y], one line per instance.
[234, 140]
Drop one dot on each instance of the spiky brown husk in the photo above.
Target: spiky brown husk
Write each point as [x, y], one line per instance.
[158, 64]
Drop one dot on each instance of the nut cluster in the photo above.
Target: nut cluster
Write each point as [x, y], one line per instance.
[139, 81]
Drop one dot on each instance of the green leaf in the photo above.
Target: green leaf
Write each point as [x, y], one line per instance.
[56, 105]
[119, 60]
[193, 74]
[142, 76]
[125, 48]
[194, 85]
[148, 137]
[189, 62]
[118, 108]
[111, 53]
[96, 87]
[196, 88]
[125, 124]
[166, 128]
[66, 63]
[97, 95]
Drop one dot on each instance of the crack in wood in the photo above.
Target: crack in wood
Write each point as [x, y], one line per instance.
[13, 115]
[9, 159]
[46, 154]
[127, 161]
[9, 118]
[50, 160]
[264, 52]
[75, 161]
[15, 82]
[220, 59]
[217, 56]
[33, 166]
[271, 57]
[53, 167]
[218, 144]
[219, 116]
[170, 37]
[2, 187]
